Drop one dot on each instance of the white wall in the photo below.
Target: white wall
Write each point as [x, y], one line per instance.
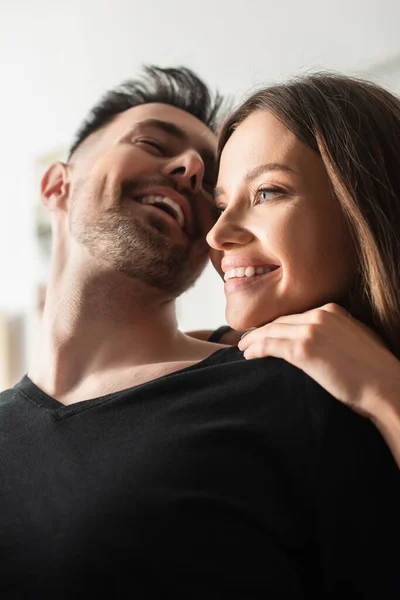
[58, 57]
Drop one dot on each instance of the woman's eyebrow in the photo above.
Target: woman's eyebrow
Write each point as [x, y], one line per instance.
[268, 167]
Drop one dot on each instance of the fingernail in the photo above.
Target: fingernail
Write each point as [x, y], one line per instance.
[248, 331]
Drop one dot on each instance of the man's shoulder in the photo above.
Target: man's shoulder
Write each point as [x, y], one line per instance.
[267, 368]
[296, 397]
[275, 377]
[264, 373]
[6, 396]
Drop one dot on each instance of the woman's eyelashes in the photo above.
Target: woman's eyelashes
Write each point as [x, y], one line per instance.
[261, 195]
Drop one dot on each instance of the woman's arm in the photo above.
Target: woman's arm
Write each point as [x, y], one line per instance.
[343, 356]
[201, 334]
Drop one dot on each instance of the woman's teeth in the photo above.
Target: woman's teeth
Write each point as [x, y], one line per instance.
[173, 207]
[247, 272]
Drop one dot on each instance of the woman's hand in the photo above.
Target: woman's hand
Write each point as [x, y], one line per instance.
[338, 352]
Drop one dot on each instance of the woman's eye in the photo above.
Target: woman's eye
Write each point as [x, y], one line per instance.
[266, 194]
[218, 211]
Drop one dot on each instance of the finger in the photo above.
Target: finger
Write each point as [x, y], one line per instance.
[279, 348]
[315, 315]
[326, 315]
[253, 333]
[247, 332]
[335, 309]
[277, 329]
[352, 324]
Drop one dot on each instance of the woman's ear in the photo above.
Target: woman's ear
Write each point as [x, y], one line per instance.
[55, 186]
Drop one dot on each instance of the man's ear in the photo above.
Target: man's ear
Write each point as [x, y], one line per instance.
[55, 186]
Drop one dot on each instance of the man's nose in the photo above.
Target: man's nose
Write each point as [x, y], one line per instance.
[187, 170]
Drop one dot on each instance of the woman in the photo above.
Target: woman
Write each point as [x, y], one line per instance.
[304, 119]
[341, 354]
[308, 194]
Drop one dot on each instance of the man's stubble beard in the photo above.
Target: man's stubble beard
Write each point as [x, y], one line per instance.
[143, 252]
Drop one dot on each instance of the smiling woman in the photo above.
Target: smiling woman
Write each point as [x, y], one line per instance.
[309, 207]
[286, 245]
[309, 219]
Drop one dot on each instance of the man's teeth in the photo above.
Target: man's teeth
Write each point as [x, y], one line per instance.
[246, 272]
[163, 200]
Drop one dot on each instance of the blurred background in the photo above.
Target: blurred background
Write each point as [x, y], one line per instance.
[57, 58]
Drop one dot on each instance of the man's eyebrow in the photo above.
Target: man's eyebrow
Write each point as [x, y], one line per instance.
[257, 171]
[166, 127]
[208, 155]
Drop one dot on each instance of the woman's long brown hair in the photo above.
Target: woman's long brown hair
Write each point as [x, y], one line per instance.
[354, 125]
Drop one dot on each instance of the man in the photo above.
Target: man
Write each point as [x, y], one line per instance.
[130, 213]
[135, 457]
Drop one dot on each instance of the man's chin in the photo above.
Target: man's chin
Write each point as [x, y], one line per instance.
[147, 253]
[172, 282]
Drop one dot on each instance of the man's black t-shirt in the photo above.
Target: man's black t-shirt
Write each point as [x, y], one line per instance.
[230, 478]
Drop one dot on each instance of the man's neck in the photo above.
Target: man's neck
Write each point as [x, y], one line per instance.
[102, 328]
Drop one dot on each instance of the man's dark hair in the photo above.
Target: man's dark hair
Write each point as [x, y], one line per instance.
[179, 87]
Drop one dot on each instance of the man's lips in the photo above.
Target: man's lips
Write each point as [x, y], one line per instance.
[168, 192]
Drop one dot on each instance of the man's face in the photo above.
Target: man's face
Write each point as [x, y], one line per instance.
[141, 195]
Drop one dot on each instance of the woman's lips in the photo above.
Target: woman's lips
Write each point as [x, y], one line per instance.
[235, 284]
